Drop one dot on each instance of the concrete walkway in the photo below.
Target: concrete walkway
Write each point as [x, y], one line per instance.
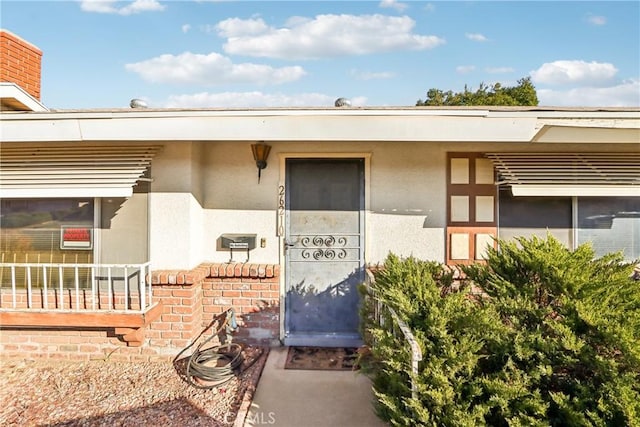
[310, 398]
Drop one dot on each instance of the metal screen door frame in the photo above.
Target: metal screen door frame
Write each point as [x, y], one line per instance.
[329, 339]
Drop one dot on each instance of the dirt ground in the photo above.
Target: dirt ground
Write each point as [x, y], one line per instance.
[104, 393]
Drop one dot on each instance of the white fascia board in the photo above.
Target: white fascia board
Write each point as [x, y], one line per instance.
[13, 91]
[52, 192]
[40, 130]
[589, 134]
[573, 190]
[313, 128]
[323, 127]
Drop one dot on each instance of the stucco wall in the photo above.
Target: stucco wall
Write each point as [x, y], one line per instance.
[123, 233]
[175, 224]
[201, 191]
[406, 212]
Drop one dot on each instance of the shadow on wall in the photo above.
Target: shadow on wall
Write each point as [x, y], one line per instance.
[333, 309]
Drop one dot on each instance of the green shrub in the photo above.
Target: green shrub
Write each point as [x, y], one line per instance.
[573, 328]
[450, 328]
[554, 340]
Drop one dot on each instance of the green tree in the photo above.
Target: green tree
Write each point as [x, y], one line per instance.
[524, 94]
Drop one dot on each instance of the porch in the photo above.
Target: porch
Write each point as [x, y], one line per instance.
[64, 295]
[129, 312]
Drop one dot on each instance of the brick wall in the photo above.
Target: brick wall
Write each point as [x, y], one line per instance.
[190, 300]
[20, 63]
[253, 290]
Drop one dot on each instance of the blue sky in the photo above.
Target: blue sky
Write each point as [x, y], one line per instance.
[101, 54]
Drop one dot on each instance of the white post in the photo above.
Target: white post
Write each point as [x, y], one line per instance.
[143, 288]
[29, 297]
[126, 289]
[61, 283]
[44, 287]
[13, 284]
[109, 293]
[93, 287]
[77, 280]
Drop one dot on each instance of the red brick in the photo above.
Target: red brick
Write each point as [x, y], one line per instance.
[171, 334]
[159, 326]
[161, 292]
[159, 342]
[181, 310]
[269, 271]
[182, 293]
[212, 293]
[171, 318]
[230, 293]
[89, 348]
[246, 268]
[179, 343]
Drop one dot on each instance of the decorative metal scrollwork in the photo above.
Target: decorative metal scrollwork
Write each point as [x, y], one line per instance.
[328, 241]
[319, 254]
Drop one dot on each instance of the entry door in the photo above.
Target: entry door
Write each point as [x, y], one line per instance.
[323, 251]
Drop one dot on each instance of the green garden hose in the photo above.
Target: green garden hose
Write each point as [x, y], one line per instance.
[210, 366]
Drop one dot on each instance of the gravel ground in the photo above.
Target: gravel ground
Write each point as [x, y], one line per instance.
[104, 393]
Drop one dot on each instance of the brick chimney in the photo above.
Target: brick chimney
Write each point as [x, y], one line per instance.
[20, 63]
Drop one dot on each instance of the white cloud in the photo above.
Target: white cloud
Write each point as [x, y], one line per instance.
[324, 36]
[236, 27]
[254, 99]
[574, 72]
[212, 69]
[369, 75]
[113, 6]
[393, 4]
[499, 70]
[626, 94]
[476, 37]
[596, 20]
[464, 69]
[186, 28]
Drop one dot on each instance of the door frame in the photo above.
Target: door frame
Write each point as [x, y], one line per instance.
[281, 211]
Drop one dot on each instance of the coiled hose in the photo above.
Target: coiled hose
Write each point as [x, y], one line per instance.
[211, 366]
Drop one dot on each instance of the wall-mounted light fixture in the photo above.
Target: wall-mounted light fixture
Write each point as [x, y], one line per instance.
[260, 154]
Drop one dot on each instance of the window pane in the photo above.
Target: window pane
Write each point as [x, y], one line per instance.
[610, 224]
[44, 231]
[534, 216]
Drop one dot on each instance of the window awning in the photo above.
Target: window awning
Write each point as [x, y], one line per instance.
[569, 174]
[72, 170]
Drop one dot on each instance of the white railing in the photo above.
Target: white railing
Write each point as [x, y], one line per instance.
[416, 352]
[81, 287]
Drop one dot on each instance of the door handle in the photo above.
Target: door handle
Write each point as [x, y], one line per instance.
[286, 244]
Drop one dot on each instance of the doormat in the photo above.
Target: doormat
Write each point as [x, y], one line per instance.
[322, 358]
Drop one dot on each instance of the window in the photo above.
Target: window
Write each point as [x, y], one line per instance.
[610, 224]
[45, 231]
[534, 216]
